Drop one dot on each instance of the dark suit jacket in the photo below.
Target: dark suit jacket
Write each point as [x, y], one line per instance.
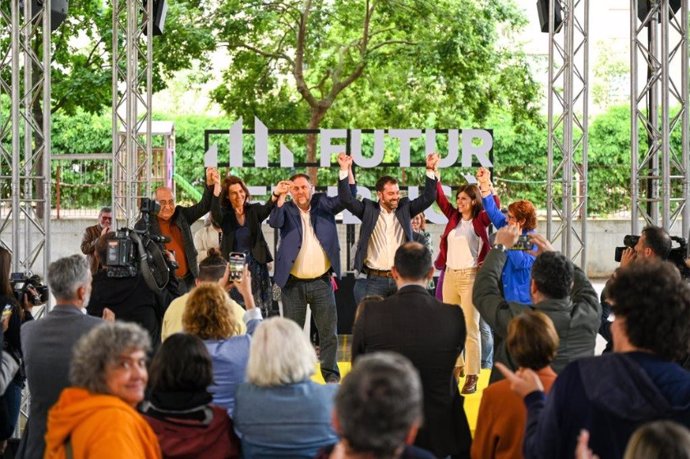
[368, 212]
[183, 219]
[254, 215]
[431, 334]
[47, 345]
[287, 219]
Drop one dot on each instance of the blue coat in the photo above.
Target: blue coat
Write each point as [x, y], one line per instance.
[368, 211]
[287, 219]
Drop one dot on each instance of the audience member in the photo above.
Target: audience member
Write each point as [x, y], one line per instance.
[654, 440]
[615, 393]
[559, 289]
[91, 235]
[280, 411]
[214, 268]
[378, 410]
[209, 316]
[386, 225]
[97, 417]
[515, 278]
[365, 303]
[47, 345]
[308, 256]
[175, 222]
[532, 342]
[429, 333]
[180, 411]
[207, 237]
[241, 221]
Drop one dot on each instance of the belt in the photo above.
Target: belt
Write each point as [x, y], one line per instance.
[325, 276]
[377, 272]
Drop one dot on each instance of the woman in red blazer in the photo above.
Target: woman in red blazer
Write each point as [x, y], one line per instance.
[464, 244]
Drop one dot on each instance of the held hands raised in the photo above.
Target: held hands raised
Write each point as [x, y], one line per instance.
[345, 161]
[432, 161]
[282, 188]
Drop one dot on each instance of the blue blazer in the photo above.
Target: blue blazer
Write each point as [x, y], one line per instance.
[368, 212]
[288, 221]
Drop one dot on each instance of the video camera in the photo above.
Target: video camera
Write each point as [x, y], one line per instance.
[21, 282]
[677, 255]
[137, 250]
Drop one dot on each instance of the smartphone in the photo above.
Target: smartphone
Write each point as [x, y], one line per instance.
[6, 311]
[523, 243]
[237, 261]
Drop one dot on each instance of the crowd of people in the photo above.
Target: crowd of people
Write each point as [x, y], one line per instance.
[206, 368]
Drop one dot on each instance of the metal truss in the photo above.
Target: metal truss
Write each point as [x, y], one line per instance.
[659, 111]
[566, 197]
[132, 94]
[25, 134]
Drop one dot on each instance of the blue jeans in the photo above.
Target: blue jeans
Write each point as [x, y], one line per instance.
[487, 338]
[13, 399]
[373, 285]
[318, 293]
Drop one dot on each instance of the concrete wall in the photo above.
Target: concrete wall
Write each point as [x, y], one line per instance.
[603, 236]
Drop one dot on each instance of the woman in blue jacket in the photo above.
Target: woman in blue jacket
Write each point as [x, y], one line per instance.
[516, 272]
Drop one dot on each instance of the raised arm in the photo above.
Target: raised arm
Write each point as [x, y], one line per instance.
[428, 197]
[212, 191]
[347, 191]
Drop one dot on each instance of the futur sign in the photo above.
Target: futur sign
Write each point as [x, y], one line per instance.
[476, 143]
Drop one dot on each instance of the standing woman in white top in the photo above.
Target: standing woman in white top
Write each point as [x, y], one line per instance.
[464, 244]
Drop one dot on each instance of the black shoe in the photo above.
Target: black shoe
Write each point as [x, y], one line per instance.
[332, 379]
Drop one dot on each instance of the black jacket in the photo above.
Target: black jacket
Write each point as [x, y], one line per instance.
[255, 214]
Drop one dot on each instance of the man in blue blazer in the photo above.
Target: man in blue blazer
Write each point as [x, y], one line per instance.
[309, 253]
[386, 225]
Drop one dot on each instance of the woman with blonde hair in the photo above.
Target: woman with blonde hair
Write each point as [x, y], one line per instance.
[280, 411]
[209, 316]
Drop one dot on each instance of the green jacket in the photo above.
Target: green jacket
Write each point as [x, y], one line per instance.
[576, 317]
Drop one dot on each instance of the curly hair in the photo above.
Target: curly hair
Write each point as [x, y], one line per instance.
[101, 347]
[232, 180]
[208, 314]
[524, 210]
[532, 340]
[553, 274]
[473, 192]
[654, 302]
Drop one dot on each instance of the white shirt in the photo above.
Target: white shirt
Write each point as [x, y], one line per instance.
[387, 236]
[311, 261]
[463, 246]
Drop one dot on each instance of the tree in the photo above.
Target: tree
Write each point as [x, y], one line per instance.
[298, 63]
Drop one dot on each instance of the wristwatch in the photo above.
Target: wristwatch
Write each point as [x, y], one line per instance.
[500, 247]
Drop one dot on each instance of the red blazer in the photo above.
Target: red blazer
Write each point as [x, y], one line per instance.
[480, 224]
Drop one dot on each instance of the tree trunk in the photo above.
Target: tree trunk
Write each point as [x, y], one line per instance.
[317, 115]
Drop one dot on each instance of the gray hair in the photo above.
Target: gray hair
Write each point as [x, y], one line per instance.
[280, 353]
[66, 275]
[105, 210]
[99, 348]
[378, 402]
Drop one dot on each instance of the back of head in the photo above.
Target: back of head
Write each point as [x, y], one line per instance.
[207, 313]
[181, 364]
[378, 403]
[413, 261]
[658, 240]
[212, 268]
[101, 347]
[66, 275]
[553, 275]
[280, 354]
[654, 302]
[532, 340]
[659, 440]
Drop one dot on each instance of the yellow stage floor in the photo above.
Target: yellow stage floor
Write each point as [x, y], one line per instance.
[471, 401]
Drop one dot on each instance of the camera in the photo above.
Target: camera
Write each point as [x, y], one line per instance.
[523, 243]
[237, 261]
[21, 282]
[629, 240]
[134, 251]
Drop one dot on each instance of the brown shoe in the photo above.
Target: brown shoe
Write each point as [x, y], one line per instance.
[470, 386]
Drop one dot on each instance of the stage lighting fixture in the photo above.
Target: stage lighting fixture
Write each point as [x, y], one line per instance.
[643, 7]
[543, 9]
[160, 11]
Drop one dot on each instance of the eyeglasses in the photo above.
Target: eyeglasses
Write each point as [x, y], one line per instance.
[170, 202]
[107, 218]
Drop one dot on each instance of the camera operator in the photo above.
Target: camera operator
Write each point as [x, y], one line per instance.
[130, 298]
[175, 222]
[654, 243]
[15, 312]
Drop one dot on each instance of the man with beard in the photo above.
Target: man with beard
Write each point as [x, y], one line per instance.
[386, 225]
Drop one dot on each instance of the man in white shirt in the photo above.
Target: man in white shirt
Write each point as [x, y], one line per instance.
[386, 225]
[309, 253]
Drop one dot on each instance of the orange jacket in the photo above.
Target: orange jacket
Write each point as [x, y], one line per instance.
[98, 426]
[502, 418]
